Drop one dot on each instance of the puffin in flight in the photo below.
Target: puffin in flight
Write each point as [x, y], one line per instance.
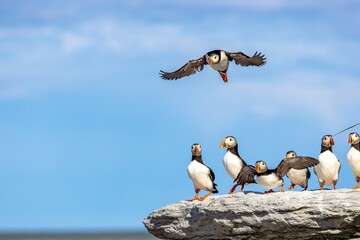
[272, 178]
[232, 161]
[218, 60]
[201, 175]
[297, 176]
[353, 156]
[329, 165]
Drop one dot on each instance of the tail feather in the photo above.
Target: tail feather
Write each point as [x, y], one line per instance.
[214, 190]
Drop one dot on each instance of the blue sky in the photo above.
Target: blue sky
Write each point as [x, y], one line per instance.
[93, 139]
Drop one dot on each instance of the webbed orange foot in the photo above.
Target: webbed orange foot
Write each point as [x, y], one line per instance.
[204, 197]
[195, 198]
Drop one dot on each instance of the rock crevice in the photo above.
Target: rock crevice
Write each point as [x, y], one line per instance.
[331, 214]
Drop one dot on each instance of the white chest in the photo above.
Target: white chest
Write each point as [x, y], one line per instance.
[222, 65]
[232, 164]
[328, 167]
[353, 158]
[199, 174]
[298, 176]
[269, 181]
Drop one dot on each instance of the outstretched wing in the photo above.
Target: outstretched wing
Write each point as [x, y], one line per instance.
[246, 175]
[300, 162]
[240, 58]
[189, 68]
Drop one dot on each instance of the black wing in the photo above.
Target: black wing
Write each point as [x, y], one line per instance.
[246, 175]
[244, 60]
[189, 68]
[212, 175]
[299, 162]
[308, 174]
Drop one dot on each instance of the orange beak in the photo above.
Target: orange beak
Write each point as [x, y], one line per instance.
[223, 144]
[332, 143]
[257, 168]
[350, 140]
[211, 62]
[223, 76]
[197, 150]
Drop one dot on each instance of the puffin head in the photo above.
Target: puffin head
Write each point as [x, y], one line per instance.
[354, 138]
[228, 142]
[213, 58]
[260, 166]
[327, 141]
[291, 154]
[196, 149]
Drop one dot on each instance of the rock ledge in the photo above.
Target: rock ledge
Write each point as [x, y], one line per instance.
[329, 214]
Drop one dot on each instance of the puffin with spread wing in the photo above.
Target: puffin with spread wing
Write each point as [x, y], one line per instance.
[297, 176]
[218, 60]
[273, 178]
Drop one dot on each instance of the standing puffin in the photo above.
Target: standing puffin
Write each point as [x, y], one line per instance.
[272, 178]
[232, 161]
[329, 165]
[218, 60]
[268, 178]
[201, 175]
[353, 156]
[297, 176]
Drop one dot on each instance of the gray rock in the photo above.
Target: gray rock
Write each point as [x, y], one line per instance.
[328, 214]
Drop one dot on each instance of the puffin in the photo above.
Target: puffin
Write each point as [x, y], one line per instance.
[353, 156]
[218, 60]
[248, 171]
[329, 165]
[232, 161]
[273, 178]
[297, 176]
[201, 175]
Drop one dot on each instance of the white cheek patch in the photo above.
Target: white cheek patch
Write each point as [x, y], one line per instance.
[356, 139]
[230, 143]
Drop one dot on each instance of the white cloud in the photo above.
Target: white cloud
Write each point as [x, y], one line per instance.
[28, 52]
[270, 5]
[276, 98]
[72, 42]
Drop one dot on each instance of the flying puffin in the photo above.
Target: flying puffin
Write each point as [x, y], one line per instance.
[218, 60]
[272, 178]
[201, 175]
[353, 156]
[297, 176]
[232, 161]
[329, 165]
